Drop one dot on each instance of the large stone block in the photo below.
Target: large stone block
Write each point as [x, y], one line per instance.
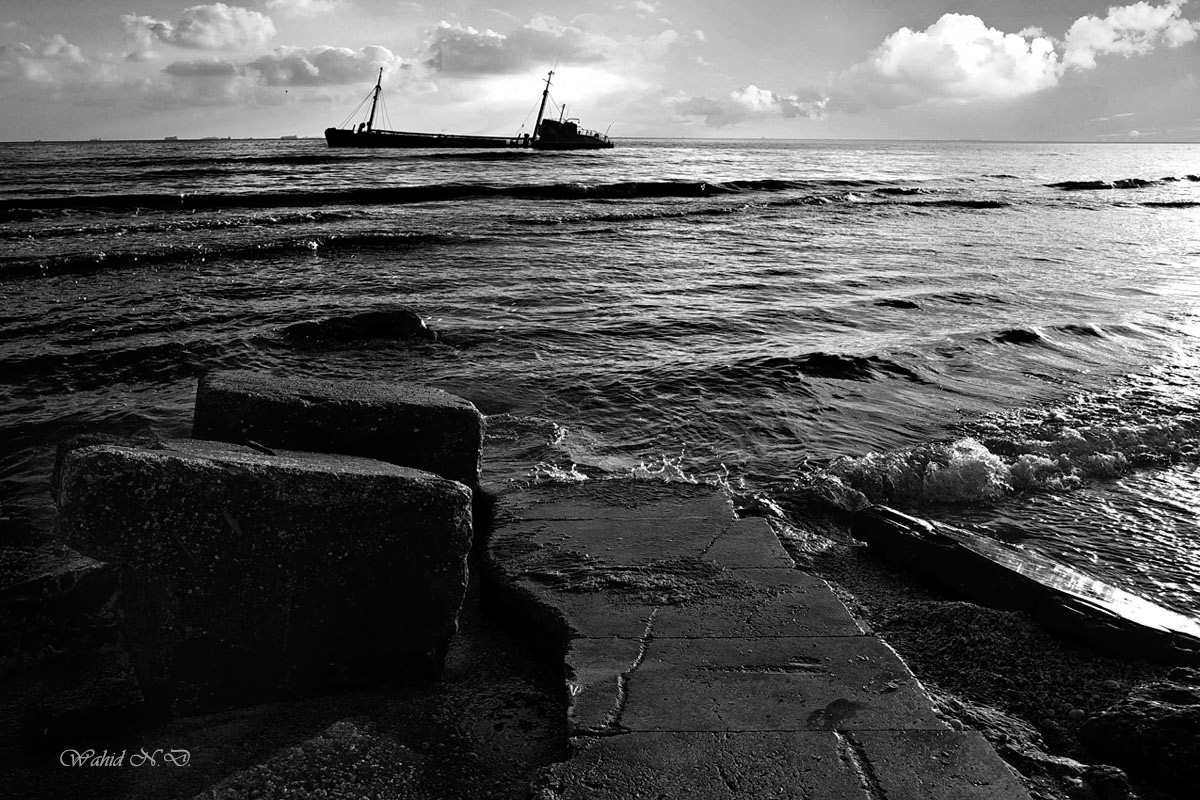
[406, 424]
[250, 575]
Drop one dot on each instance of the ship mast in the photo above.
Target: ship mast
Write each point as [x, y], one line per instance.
[375, 100]
[537, 128]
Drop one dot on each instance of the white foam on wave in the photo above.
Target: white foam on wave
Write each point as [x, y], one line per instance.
[1054, 456]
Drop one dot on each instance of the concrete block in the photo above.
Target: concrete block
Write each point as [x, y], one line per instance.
[405, 424]
[250, 575]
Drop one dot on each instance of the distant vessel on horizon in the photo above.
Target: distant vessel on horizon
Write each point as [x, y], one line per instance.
[548, 134]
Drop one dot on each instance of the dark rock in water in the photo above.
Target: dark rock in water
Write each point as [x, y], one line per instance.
[1080, 185]
[1062, 599]
[1132, 183]
[405, 424]
[249, 576]
[384, 323]
[1154, 731]
[1018, 336]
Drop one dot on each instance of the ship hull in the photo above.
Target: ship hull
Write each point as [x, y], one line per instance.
[341, 137]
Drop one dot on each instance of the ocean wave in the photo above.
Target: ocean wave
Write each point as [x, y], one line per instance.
[89, 368]
[125, 225]
[1123, 183]
[13, 209]
[1098, 438]
[24, 266]
[776, 370]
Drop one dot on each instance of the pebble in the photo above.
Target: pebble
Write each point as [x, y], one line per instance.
[1111, 684]
[1076, 714]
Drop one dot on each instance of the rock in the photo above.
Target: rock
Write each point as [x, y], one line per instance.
[1108, 783]
[50, 594]
[405, 424]
[382, 323]
[249, 576]
[1063, 600]
[1154, 731]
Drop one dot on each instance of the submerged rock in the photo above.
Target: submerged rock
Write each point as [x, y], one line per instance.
[381, 323]
[1154, 731]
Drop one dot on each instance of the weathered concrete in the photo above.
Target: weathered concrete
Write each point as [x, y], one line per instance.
[1064, 600]
[62, 672]
[405, 424]
[699, 663]
[249, 575]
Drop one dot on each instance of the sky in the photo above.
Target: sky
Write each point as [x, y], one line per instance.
[876, 69]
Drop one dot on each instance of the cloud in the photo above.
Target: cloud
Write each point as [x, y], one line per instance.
[459, 50]
[958, 58]
[211, 27]
[1127, 30]
[45, 60]
[303, 8]
[203, 68]
[324, 66]
[752, 102]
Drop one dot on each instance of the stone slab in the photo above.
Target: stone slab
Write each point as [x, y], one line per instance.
[935, 765]
[763, 603]
[699, 663]
[749, 543]
[809, 683]
[405, 424]
[257, 574]
[614, 500]
[803, 765]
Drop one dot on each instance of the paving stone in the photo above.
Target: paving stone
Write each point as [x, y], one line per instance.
[597, 671]
[701, 664]
[749, 542]
[936, 765]
[806, 765]
[774, 603]
[808, 683]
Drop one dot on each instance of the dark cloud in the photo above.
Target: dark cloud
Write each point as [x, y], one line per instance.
[204, 68]
[458, 50]
[323, 66]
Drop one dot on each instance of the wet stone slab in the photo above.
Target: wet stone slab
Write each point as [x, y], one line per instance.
[700, 663]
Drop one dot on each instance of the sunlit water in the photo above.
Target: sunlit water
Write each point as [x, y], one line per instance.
[1002, 336]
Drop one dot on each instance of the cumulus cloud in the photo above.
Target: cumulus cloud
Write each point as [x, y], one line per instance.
[1127, 30]
[45, 59]
[211, 27]
[459, 50]
[752, 102]
[959, 59]
[324, 66]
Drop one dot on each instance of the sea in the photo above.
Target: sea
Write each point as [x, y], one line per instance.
[999, 336]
